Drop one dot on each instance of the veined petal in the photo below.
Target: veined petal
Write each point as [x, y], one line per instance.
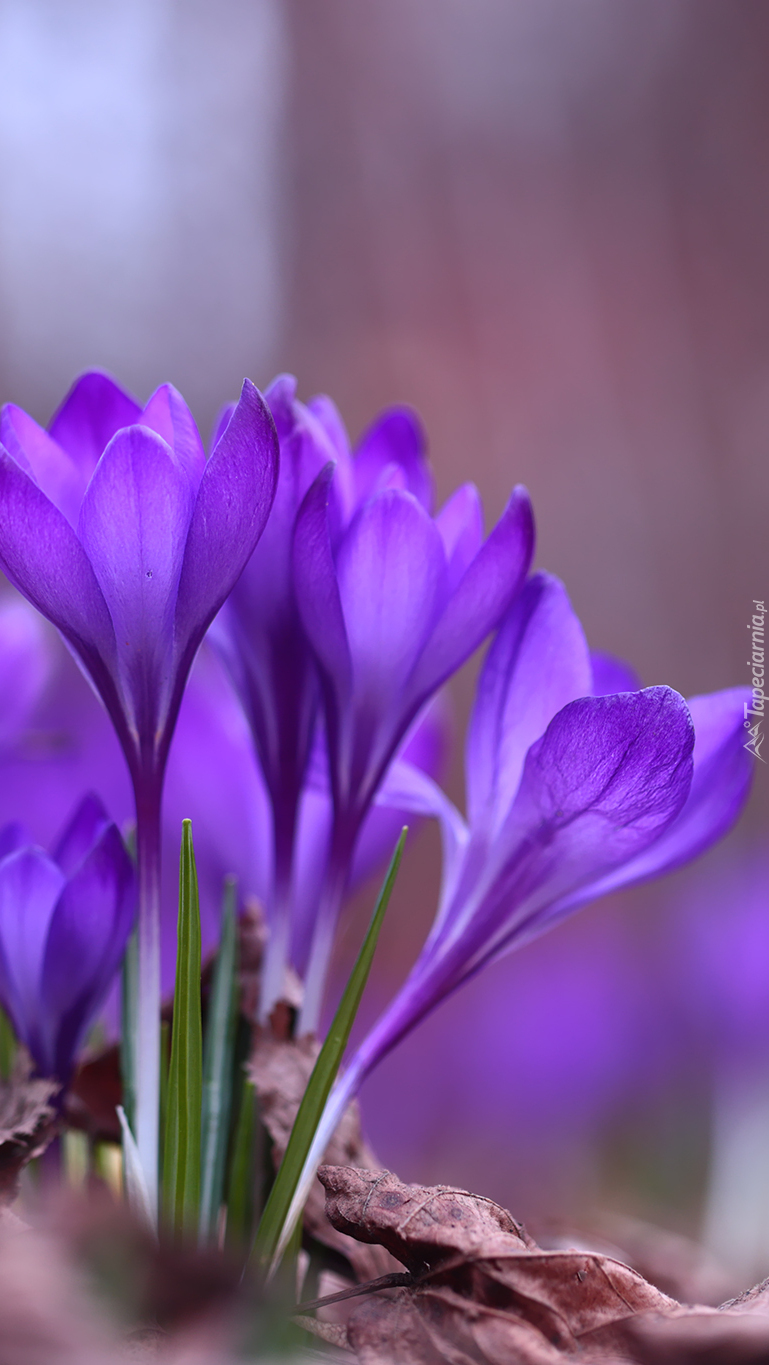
[30, 886]
[606, 779]
[87, 824]
[44, 559]
[721, 780]
[460, 523]
[51, 467]
[317, 590]
[489, 585]
[612, 675]
[92, 412]
[133, 526]
[538, 663]
[231, 508]
[86, 941]
[168, 416]
[397, 438]
[392, 581]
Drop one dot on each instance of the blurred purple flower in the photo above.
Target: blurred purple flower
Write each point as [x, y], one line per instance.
[120, 532]
[392, 606]
[64, 923]
[718, 949]
[569, 795]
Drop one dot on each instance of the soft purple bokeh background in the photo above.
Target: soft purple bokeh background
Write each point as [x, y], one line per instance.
[547, 227]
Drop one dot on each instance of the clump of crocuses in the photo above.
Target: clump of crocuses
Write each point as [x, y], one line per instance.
[347, 601]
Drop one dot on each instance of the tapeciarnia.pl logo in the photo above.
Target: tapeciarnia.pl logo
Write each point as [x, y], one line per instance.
[754, 709]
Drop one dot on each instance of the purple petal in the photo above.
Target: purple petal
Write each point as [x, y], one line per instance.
[168, 416]
[30, 886]
[280, 398]
[231, 508]
[606, 779]
[488, 587]
[392, 575]
[723, 771]
[44, 559]
[325, 411]
[612, 675]
[538, 663]
[133, 526]
[92, 412]
[317, 590]
[85, 827]
[460, 522]
[52, 469]
[395, 438]
[25, 666]
[88, 933]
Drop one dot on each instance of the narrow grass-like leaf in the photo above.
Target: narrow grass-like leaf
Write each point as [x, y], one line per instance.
[272, 1230]
[133, 1175]
[181, 1149]
[7, 1046]
[129, 989]
[217, 1068]
[241, 1193]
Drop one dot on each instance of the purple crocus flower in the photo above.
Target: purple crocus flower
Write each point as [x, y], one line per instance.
[64, 922]
[267, 653]
[118, 530]
[263, 639]
[392, 607]
[569, 794]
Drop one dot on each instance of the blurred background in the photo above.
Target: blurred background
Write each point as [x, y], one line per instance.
[546, 226]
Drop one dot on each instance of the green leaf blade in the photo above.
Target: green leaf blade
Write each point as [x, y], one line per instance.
[271, 1231]
[182, 1139]
[240, 1195]
[218, 1060]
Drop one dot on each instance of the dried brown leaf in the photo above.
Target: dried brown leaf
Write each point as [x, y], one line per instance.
[252, 937]
[737, 1333]
[280, 1069]
[27, 1124]
[420, 1227]
[96, 1091]
[483, 1292]
[675, 1264]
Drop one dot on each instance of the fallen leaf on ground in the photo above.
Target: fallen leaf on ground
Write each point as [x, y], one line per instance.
[677, 1265]
[483, 1293]
[27, 1124]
